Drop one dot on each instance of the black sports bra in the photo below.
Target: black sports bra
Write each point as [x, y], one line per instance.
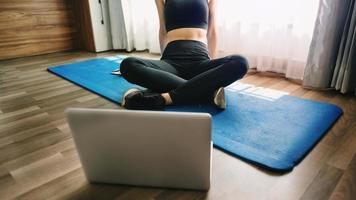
[186, 14]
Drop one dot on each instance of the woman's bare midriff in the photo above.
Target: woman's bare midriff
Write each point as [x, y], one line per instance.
[187, 34]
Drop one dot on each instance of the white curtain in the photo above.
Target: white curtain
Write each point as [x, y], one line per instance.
[274, 35]
[134, 25]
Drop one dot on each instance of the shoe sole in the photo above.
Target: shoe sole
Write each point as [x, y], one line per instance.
[219, 98]
[123, 101]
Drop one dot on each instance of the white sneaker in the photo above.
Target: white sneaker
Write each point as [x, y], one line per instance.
[219, 98]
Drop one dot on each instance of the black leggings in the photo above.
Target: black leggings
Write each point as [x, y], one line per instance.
[185, 71]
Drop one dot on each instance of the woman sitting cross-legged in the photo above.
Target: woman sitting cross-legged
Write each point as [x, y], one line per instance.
[185, 74]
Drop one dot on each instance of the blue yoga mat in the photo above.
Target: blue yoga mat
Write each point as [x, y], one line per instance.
[265, 127]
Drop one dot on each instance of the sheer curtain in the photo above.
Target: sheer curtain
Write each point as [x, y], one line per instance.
[274, 35]
[134, 25]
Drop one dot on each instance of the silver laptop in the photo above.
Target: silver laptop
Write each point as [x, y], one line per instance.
[144, 148]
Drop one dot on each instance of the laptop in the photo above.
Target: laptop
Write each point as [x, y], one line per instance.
[143, 148]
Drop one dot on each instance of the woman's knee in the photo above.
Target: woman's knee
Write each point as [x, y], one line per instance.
[239, 64]
[128, 66]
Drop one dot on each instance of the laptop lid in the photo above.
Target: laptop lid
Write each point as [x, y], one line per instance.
[146, 148]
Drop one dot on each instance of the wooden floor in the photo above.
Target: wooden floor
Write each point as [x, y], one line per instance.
[38, 159]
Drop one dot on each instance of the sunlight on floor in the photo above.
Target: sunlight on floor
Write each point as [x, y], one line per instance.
[259, 92]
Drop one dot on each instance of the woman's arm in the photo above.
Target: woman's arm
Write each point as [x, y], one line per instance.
[212, 30]
[162, 27]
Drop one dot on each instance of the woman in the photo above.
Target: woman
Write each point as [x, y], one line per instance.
[187, 72]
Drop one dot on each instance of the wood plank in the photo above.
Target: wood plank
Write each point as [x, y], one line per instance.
[177, 194]
[27, 81]
[323, 184]
[30, 112]
[22, 123]
[322, 96]
[346, 188]
[58, 188]
[235, 172]
[87, 98]
[12, 96]
[140, 193]
[17, 104]
[293, 185]
[40, 154]
[97, 191]
[343, 155]
[36, 85]
[39, 173]
[28, 145]
[25, 5]
[44, 170]
[56, 93]
[36, 27]
[345, 122]
[36, 48]
[36, 19]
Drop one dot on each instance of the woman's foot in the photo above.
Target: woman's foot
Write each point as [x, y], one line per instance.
[128, 94]
[135, 99]
[219, 98]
